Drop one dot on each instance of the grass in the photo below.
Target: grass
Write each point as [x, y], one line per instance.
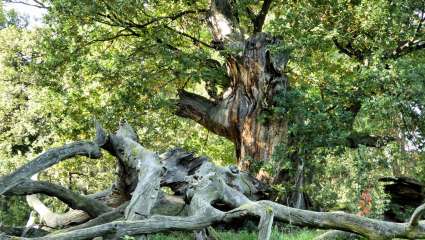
[243, 235]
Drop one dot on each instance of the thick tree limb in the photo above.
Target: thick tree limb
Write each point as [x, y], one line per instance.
[166, 205]
[374, 229]
[47, 159]
[74, 200]
[151, 225]
[417, 214]
[148, 167]
[102, 219]
[356, 139]
[265, 225]
[211, 115]
[215, 194]
[406, 48]
[52, 219]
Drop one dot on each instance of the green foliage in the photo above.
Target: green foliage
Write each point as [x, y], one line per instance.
[346, 82]
[11, 18]
[13, 211]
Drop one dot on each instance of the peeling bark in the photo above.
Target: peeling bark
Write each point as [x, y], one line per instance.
[244, 115]
[211, 115]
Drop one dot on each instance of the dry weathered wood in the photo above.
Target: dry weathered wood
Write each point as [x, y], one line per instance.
[52, 219]
[256, 77]
[213, 194]
[265, 225]
[113, 215]
[374, 229]
[181, 166]
[147, 166]
[48, 159]
[417, 214]
[74, 200]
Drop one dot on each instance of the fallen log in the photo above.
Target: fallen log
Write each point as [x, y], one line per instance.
[203, 194]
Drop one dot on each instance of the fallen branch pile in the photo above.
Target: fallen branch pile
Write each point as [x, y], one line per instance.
[203, 194]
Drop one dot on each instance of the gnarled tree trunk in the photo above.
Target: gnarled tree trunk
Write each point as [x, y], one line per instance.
[244, 113]
[255, 71]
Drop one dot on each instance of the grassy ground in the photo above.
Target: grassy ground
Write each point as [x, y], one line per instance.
[243, 235]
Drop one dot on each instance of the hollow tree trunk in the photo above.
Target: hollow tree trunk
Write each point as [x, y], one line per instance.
[245, 112]
[256, 79]
[245, 115]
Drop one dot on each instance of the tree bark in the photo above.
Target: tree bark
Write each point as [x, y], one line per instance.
[245, 114]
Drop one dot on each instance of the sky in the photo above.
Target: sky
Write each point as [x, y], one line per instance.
[34, 14]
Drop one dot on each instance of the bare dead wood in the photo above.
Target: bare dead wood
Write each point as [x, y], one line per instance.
[55, 220]
[265, 225]
[48, 159]
[74, 200]
[417, 214]
[256, 75]
[213, 194]
[374, 229]
[147, 166]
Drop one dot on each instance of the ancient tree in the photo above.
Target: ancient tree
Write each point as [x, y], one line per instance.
[242, 110]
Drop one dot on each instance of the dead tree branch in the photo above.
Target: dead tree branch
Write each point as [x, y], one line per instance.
[48, 159]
